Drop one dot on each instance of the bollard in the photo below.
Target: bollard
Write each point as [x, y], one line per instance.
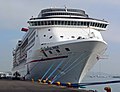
[108, 89]
[58, 83]
[44, 81]
[49, 81]
[68, 84]
[32, 80]
[39, 80]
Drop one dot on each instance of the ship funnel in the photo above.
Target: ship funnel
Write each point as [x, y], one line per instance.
[24, 29]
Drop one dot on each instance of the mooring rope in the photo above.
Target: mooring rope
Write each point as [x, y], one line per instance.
[67, 69]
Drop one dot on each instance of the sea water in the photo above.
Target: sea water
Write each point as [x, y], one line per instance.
[101, 78]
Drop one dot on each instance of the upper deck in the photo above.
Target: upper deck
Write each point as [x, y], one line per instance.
[62, 12]
[66, 17]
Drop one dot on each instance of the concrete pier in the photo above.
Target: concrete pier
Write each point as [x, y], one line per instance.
[28, 86]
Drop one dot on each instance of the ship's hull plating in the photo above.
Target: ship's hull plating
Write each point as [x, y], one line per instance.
[68, 66]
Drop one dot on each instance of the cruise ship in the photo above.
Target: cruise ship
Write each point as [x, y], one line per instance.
[60, 44]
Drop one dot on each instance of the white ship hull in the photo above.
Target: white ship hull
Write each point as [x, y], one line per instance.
[68, 66]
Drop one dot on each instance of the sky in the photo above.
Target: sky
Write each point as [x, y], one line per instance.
[14, 15]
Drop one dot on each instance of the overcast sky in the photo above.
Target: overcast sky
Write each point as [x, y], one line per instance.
[14, 15]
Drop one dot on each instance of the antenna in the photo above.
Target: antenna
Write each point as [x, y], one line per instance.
[65, 8]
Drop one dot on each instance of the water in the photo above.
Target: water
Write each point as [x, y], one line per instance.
[101, 78]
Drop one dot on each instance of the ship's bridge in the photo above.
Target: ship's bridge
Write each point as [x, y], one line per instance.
[66, 17]
[62, 12]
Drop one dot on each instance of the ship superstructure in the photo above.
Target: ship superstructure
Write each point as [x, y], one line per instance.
[59, 45]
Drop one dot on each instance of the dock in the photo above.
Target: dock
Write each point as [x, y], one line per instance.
[28, 86]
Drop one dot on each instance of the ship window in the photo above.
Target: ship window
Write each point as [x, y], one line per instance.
[41, 22]
[50, 52]
[77, 23]
[38, 22]
[55, 22]
[49, 22]
[62, 22]
[79, 37]
[74, 22]
[45, 22]
[61, 36]
[100, 25]
[45, 54]
[58, 51]
[91, 24]
[71, 22]
[68, 22]
[72, 36]
[50, 37]
[81, 23]
[95, 24]
[52, 22]
[84, 23]
[88, 24]
[105, 25]
[58, 22]
[67, 49]
[65, 22]
[33, 23]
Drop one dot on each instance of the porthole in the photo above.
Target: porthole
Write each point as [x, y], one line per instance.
[72, 36]
[44, 35]
[58, 51]
[48, 29]
[79, 37]
[50, 52]
[61, 36]
[50, 37]
[67, 49]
